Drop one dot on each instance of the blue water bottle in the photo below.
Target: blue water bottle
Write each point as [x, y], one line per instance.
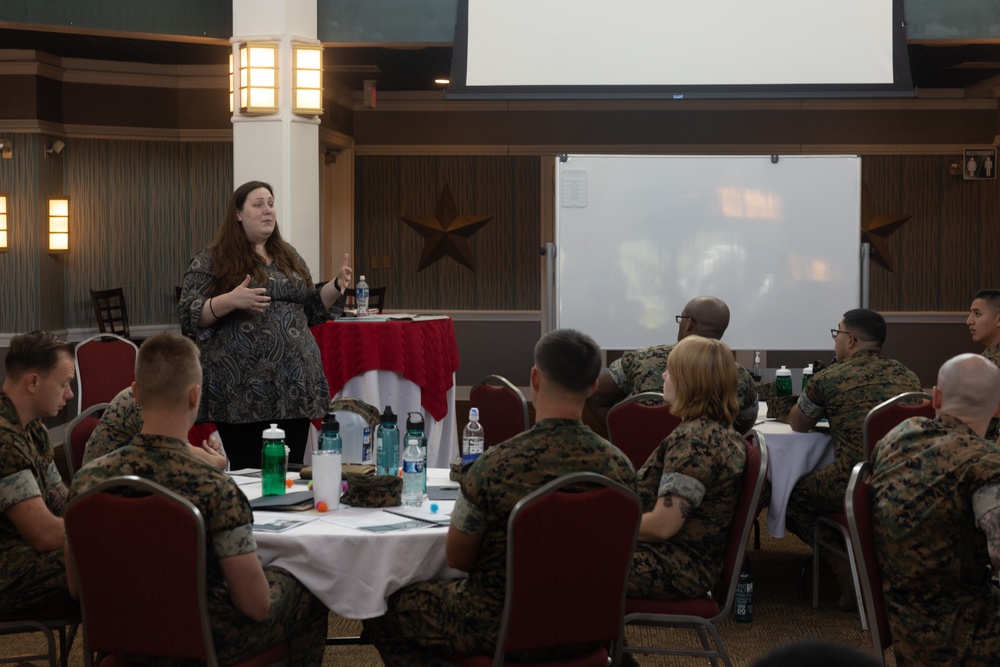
[388, 444]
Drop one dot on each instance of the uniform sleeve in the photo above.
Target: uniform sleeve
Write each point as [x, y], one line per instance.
[466, 517]
[17, 487]
[811, 401]
[687, 469]
[231, 523]
[986, 482]
[618, 375]
[121, 422]
[747, 397]
[469, 514]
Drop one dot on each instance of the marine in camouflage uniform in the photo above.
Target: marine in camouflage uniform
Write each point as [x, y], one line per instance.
[843, 392]
[702, 461]
[642, 370]
[993, 432]
[933, 479]
[463, 615]
[121, 421]
[295, 616]
[27, 470]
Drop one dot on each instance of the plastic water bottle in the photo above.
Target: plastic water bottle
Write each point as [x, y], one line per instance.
[388, 444]
[807, 374]
[415, 435]
[329, 436]
[361, 297]
[272, 462]
[743, 599]
[472, 438]
[783, 382]
[413, 473]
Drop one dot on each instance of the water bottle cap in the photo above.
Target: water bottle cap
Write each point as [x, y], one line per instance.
[330, 423]
[388, 416]
[362, 277]
[415, 422]
[274, 433]
[474, 414]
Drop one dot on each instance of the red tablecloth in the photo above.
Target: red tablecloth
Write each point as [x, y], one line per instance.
[423, 351]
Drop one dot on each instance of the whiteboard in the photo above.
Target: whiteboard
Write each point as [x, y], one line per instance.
[639, 236]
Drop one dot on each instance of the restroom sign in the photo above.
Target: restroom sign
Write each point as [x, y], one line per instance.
[979, 164]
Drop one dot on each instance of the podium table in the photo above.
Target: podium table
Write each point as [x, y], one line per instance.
[408, 364]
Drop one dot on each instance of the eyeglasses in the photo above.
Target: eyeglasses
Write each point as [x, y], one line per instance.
[685, 317]
[834, 332]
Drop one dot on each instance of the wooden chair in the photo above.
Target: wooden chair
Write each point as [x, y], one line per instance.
[503, 410]
[78, 431]
[637, 428]
[878, 422]
[702, 613]
[858, 502]
[376, 298]
[110, 309]
[568, 558]
[105, 364]
[143, 554]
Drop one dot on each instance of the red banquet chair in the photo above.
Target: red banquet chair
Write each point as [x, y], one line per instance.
[702, 613]
[78, 432]
[105, 364]
[637, 428]
[145, 553]
[568, 558]
[503, 410]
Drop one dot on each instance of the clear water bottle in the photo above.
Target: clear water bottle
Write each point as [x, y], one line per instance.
[743, 598]
[783, 382]
[361, 297]
[272, 462]
[472, 438]
[807, 374]
[413, 473]
[415, 435]
[329, 435]
[388, 444]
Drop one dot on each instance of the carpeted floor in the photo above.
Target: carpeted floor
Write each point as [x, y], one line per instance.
[779, 617]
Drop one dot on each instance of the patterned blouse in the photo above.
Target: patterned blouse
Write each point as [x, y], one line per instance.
[257, 366]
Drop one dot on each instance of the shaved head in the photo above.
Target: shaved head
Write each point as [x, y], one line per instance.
[969, 385]
[711, 316]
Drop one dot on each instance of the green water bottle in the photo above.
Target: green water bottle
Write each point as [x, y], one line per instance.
[783, 382]
[272, 462]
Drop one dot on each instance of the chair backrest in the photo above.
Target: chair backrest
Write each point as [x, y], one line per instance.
[105, 364]
[139, 561]
[568, 557]
[503, 410]
[376, 298]
[858, 502]
[110, 310]
[754, 475]
[78, 431]
[637, 428]
[887, 415]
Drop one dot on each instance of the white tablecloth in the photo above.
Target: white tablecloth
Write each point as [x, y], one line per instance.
[790, 456]
[382, 388]
[355, 571]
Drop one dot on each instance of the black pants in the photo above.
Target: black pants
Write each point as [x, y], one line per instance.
[244, 442]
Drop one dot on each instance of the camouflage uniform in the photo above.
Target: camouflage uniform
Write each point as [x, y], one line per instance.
[932, 482]
[993, 431]
[295, 615]
[28, 578]
[463, 615]
[702, 460]
[642, 370]
[121, 421]
[844, 392]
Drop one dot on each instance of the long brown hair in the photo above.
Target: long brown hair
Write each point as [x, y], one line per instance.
[704, 374]
[234, 257]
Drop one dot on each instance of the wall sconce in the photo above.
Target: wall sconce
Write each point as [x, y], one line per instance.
[258, 77]
[55, 148]
[232, 94]
[307, 79]
[3, 223]
[6, 149]
[58, 224]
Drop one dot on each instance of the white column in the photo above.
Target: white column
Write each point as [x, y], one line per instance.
[282, 148]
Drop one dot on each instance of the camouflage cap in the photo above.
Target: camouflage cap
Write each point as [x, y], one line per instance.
[357, 406]
[373, 491]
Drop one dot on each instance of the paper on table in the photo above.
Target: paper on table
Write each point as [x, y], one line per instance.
[278, 523]
[377, 522]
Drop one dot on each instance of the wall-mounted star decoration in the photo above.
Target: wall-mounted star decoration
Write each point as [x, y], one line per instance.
[876, 228]
[446, 232]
